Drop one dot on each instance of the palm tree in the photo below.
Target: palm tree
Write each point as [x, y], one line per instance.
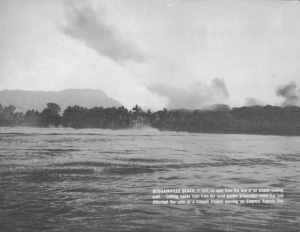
[136, 111]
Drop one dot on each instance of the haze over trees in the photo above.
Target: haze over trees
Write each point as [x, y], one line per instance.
[219, 119]
[27, 100]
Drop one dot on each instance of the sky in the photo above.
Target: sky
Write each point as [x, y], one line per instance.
[159, 53]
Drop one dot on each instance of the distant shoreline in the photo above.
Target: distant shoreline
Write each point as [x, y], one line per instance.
[256, 120]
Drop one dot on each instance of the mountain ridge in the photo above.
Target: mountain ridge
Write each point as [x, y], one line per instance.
[25, 100]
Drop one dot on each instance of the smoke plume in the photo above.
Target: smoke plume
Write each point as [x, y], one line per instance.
[290, 93]
[89, 26]
[250, 101]
[197, 97]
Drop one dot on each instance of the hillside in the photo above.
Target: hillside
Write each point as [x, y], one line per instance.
[27, 100]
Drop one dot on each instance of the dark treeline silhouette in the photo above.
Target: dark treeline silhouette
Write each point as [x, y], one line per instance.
[220, 119]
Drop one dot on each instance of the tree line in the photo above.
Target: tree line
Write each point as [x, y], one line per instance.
[220, 119]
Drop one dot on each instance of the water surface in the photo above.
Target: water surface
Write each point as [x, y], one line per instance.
[102, 180]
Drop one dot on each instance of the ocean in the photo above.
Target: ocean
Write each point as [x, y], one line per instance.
[62, 179]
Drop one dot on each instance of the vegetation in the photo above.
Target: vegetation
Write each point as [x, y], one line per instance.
[220, 119]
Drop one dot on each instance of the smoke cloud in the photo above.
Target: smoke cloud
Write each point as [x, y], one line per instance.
[250, 101]
[88, 25]
[198, 96]
[290, 93]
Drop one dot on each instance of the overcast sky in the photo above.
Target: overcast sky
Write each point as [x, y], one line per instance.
[158, 53]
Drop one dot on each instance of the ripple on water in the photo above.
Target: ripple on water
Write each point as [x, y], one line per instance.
[95, 180]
